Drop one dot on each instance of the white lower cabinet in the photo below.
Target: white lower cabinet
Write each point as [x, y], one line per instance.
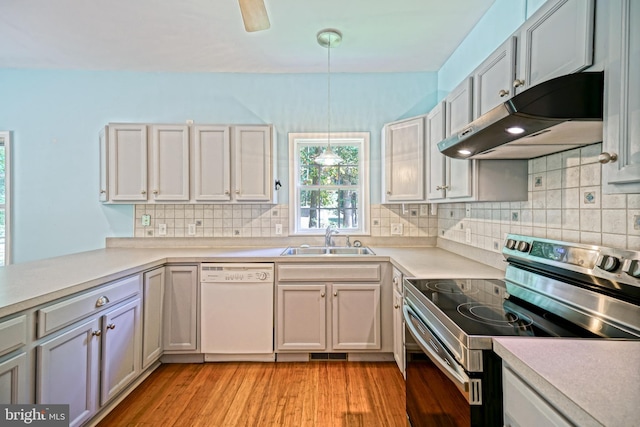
[331, 308]
[181, 309]
[14, 379]
[121, 349]
[68, 371]
[524, 407]
[153, 289]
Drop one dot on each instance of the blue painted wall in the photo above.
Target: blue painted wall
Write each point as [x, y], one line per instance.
[55, 117]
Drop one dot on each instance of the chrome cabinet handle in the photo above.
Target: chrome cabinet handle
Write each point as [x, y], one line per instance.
[111, 326]
[518, 83]
[503, 93]
[388, 192]
[442, 187]
[143, 192]
[155, 192]
[226, 192]
[96, 333]
[606, 158]
[103, 191]
[102, 301]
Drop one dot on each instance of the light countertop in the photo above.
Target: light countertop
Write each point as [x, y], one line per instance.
[26, 285]
[592, 382]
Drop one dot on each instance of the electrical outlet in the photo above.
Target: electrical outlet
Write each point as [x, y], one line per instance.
[467, 210]
[468, 235]
[162, 229]
[192, 230]
[278, 229]
[396, 229]
[496, 245]
[146, 220]
[424, 210]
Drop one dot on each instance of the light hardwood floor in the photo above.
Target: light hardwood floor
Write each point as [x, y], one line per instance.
[314, 394]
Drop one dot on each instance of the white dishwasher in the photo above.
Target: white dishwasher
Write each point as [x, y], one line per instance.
[236, 311]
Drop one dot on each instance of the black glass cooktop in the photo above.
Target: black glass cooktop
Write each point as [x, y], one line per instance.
[479, 307]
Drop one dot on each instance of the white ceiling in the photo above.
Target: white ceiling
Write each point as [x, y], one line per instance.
[208, 35]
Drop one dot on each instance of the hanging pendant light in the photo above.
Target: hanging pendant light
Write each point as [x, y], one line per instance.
[329, 38]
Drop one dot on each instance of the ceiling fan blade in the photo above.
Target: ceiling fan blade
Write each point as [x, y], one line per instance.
[254, 15]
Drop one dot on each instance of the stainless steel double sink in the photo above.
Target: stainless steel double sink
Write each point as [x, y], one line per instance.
[326, 250]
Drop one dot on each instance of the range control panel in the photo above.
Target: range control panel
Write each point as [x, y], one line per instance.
[589, 259]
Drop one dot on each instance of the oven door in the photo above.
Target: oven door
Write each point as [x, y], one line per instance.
[436, 385]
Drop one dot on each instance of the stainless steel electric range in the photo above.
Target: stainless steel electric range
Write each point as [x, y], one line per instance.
[551, 289]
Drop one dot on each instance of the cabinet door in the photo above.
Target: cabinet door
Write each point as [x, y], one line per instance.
[398, 330]
[14, 379]
[356, 316]
[557, 40]
[152, 316]
[436, 161]
[524, 407]
[121, 349]
[252, 163]
[170, 162]
[493, 79]
[302, 322]
[104, 164]
[127, 162]
[403, 148]
[212, 163]
[622, 105]
[181, 308]
[68, 370]
[459, 113]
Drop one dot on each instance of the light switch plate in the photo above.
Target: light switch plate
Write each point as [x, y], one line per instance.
[162, 229]
[191, 230]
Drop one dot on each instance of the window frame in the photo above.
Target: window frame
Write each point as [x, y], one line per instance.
[337, 138]
[5, 139]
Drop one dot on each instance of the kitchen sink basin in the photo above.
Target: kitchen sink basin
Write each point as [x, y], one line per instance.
[323, 250]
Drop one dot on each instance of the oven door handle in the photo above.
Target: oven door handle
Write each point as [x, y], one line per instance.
[459, 378]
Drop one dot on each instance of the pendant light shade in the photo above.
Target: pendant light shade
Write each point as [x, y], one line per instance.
[329, 38]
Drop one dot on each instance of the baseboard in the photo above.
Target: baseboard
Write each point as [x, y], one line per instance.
[271, 357]
[351, 357]
[182, 358]
[371, 357]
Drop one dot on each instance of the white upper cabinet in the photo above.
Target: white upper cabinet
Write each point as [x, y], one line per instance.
[403, 153]
[170, 163]
[436, 161]
[182, 163]
[252, 163]
[212, 164]
[127, 162]
[458, 114]
[621, 144]
[493, 79]
[556, 40]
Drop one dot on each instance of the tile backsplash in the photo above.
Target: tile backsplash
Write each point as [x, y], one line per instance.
[565, 203]
[261, 220]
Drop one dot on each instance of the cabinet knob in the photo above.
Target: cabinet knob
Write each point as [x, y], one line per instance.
[111, 326]
[388, 192]
[322, 294]
[395, 280]
[503, 93]
[155, 192]
[606, 157]
[518, 83]
[226, 192]
[143, 192]
[237, 191]
[103, 191]
[395, 306]
[102, 301]
[96, 333]
[335, 293]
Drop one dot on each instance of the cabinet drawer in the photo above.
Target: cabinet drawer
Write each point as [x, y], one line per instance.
[13, 334]
[329, 272]
[61, 314]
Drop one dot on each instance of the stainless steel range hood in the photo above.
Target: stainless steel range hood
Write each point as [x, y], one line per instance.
[556, 115]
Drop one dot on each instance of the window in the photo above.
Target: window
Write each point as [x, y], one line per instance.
[338, 195]
[5, 248]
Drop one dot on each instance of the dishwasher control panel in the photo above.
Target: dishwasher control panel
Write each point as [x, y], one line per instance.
[236, 272]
